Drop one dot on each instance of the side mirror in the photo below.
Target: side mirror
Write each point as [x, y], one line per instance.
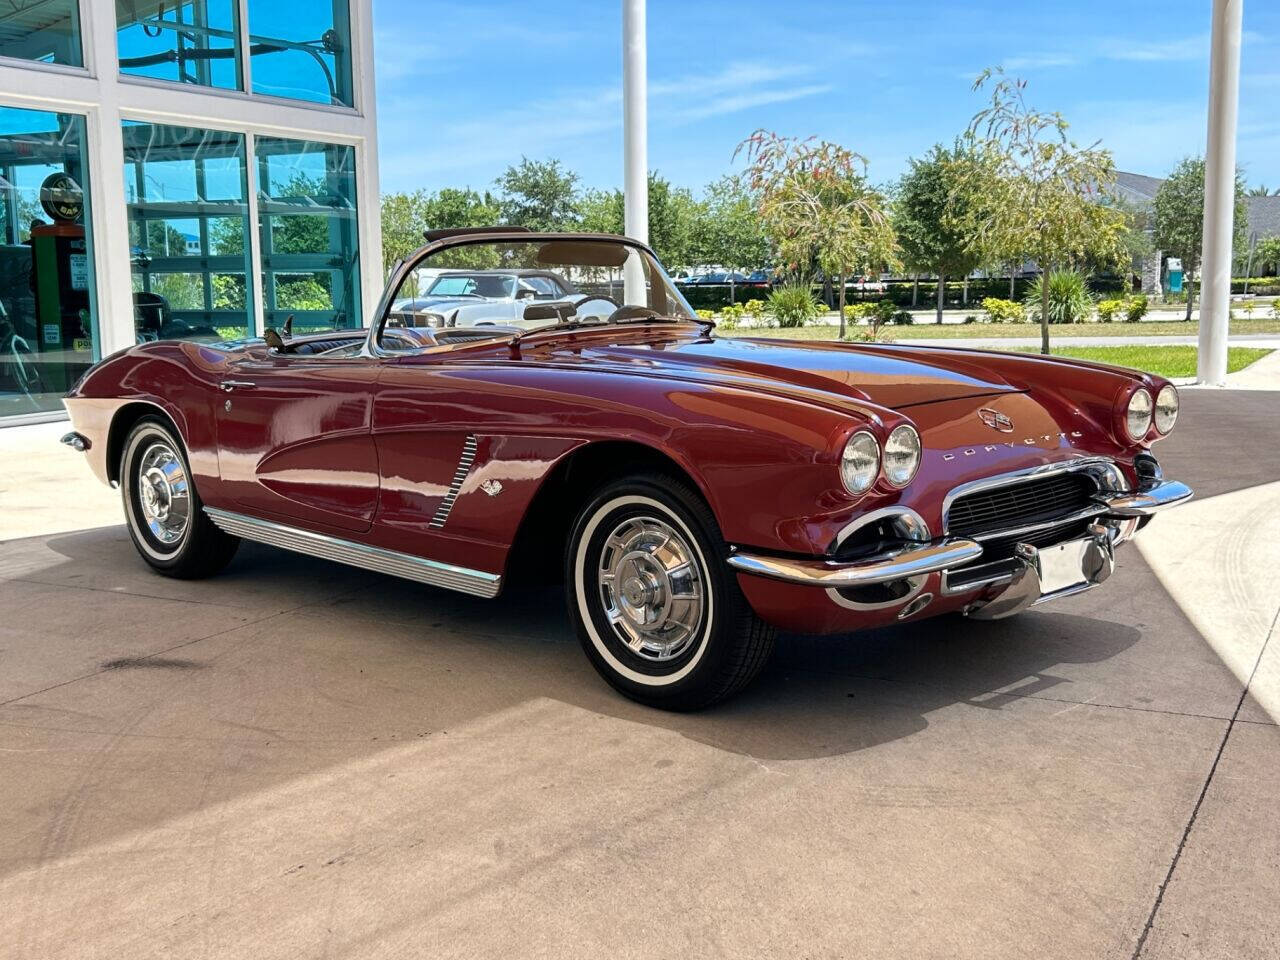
[525, 294]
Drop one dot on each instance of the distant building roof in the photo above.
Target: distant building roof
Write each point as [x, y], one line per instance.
[1137, 187]
[1264, 212]
[1264, 216]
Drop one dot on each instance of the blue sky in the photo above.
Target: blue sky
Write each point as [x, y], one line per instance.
[464, 89]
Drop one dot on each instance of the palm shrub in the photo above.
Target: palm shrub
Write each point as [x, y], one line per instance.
[792, 305]
[1069, 297]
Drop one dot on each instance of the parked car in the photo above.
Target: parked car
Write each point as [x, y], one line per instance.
[697, 493]
[465, 298]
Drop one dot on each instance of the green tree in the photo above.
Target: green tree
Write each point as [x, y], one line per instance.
[1268, 252]
[818, 207]
[674, 219]
[1042, 193]
[406, 216]
[935, 205]
[730, 231]
[540, 195]
[1178, 218]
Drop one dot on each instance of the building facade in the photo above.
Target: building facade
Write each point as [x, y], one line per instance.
[200, 169]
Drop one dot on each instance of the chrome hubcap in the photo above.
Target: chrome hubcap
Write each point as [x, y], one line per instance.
[651, 588]
[163, 493]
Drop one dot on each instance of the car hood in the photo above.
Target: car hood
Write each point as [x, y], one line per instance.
[882, 374]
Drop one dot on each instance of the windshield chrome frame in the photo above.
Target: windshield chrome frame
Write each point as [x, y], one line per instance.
[405, 266]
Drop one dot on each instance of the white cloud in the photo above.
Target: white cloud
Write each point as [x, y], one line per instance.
[1038, 61]
[488, 138]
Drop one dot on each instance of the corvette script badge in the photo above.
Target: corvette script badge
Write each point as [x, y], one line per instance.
[995, 420]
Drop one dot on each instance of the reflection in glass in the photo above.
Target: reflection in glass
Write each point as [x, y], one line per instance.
[195, 42]
[186, 191]
[43, 30]
[48, 314]
[302, 49]
[308, 230]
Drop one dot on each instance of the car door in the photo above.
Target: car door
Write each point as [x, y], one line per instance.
[295, 438]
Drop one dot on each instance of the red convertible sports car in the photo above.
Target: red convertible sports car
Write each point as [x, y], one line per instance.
[698, 493]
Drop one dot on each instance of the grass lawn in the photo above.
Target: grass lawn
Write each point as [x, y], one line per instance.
[1167, 361]
[955, 331]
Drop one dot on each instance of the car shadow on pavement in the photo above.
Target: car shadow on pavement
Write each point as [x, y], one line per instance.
[466, 658]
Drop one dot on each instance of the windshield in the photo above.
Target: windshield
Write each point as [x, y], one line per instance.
[494, 288]
[473, 284]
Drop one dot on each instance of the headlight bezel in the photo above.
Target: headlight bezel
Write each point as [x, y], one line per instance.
[1127, 415]
[1166, 428]
[858, 444]
[901, 430]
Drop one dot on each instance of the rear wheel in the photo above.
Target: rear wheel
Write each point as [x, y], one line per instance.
[166, 519]
[659, 614]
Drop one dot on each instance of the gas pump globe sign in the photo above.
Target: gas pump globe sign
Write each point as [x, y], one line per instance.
[62, 198]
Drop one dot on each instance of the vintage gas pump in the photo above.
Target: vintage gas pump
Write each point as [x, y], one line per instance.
[60, 282]
[1174, 266]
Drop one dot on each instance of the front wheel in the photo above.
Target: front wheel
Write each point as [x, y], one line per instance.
[658, 612]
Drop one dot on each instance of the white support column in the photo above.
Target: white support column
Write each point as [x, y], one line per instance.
[113, 278]
[368, 185]
[1219, 192]
[635, 120]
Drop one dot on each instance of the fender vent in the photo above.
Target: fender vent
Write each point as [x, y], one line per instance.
[464, 467]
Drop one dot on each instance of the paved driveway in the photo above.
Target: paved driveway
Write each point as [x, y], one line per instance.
[299, 760]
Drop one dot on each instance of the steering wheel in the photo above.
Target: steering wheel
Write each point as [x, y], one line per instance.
[630, 312]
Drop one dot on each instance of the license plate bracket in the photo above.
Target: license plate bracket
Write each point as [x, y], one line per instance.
[1062, 565]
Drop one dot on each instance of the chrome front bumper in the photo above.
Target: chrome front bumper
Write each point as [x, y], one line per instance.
[912, 560]
[916, 559]
[1143, 503]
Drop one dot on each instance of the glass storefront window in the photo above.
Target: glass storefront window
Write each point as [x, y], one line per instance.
[194, 42]
[308, 229]
[186, 191]
[43, 30]
[302, 49]
[48, 325]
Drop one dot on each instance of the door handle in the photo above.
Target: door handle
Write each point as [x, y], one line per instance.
[229, 385]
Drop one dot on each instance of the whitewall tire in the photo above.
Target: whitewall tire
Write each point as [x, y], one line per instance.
[162, 507]
[659, 614]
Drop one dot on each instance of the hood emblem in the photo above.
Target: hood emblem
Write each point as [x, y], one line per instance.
[995, 420]
[492, 487]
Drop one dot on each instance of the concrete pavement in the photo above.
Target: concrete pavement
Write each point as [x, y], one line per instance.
[297, 759]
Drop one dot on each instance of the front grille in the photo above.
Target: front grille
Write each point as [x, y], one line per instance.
[1020, 503]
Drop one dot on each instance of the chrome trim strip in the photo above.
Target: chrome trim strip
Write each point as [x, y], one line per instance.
[902, 564]
[446, 575]
[465, 462]
[1143, 503]
[1108, 474]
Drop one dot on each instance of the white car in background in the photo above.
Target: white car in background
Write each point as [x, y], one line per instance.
[471, 298]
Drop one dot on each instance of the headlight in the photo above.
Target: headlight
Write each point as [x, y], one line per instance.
[860, 462]
[1137, 418]
[901, 455]
[1166, 408]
